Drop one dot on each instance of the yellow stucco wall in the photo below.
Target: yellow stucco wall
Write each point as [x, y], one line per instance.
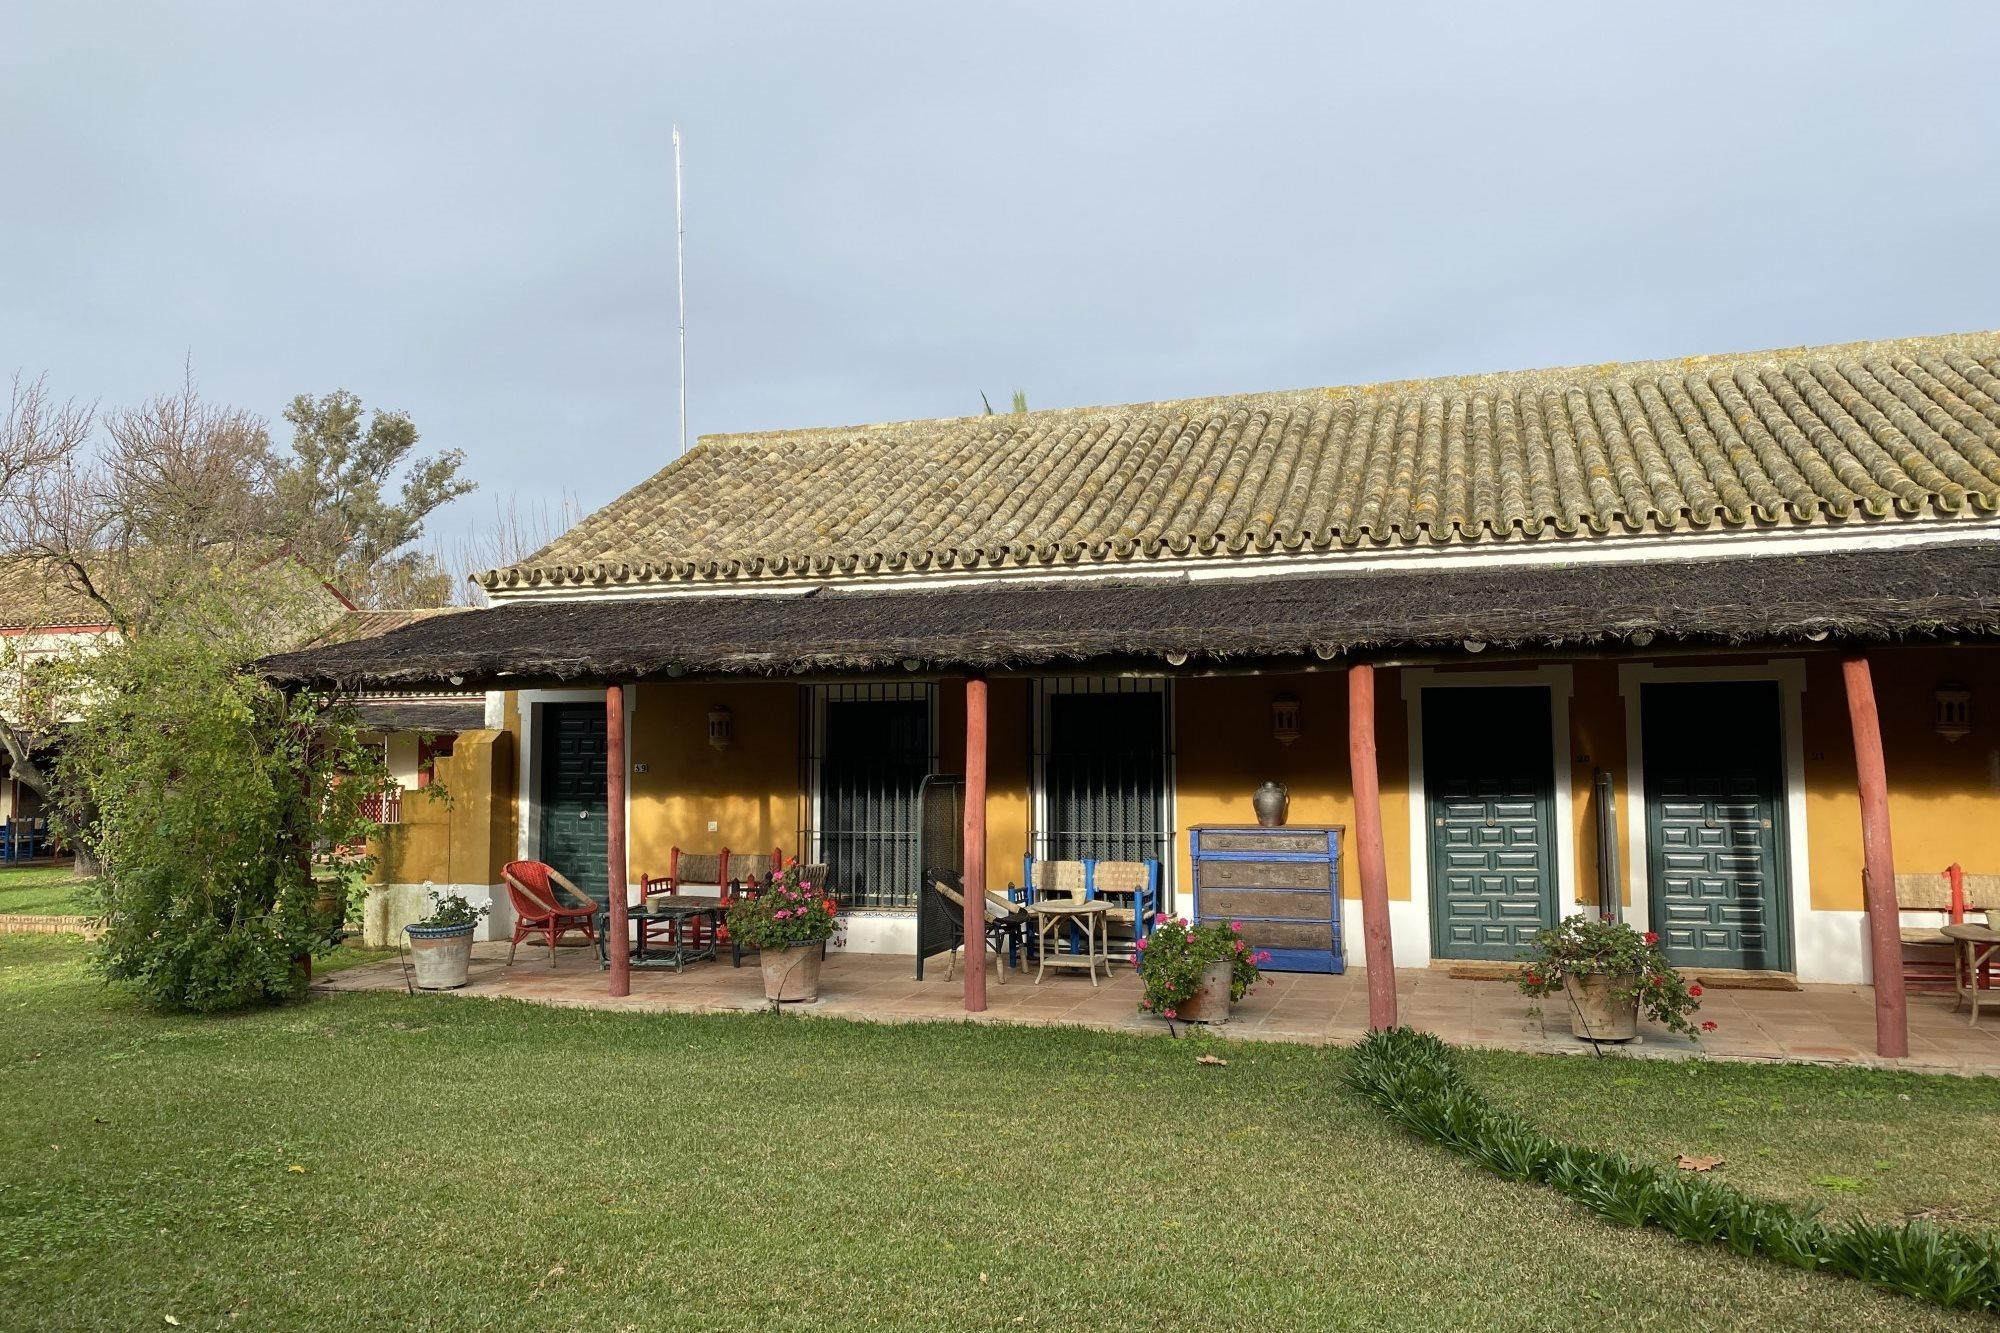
[464, 835]
[1944, 796]
[750, 790]
[1224, 751]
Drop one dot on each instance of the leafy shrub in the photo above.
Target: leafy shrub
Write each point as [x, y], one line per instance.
[204, 793]
[1414, 1079]
[1174, 956]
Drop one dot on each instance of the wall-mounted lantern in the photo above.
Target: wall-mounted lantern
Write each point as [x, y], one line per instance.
[1285, 718]
[1951, 711]
[721, 726]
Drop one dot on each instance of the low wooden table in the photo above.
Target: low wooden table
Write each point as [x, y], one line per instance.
[677, 914]
[1059, 914]
[1976, 946]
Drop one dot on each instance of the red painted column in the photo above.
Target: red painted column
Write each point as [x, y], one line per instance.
[1380, 951]
[975, 844]
[1878, 874]
[614, 837]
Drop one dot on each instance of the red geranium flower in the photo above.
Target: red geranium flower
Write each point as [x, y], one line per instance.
[1652, 937]
[1694, 990]
[1708, 1025]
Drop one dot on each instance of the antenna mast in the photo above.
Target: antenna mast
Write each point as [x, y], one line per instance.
[680, 284]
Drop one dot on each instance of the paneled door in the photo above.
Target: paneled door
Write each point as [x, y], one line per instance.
[1489, 793]
[1715, 823]
[570, 738]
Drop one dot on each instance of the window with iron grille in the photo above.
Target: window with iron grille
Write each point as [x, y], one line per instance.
[1103, 768]
[871, 748]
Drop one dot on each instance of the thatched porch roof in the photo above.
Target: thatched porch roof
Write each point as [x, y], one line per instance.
[1862, 596]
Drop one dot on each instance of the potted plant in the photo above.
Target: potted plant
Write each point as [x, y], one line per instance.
[441, 944]
[788, 922]
[1609, 972]
[1194, 973]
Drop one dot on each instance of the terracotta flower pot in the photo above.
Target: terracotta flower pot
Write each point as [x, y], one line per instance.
[442, 955]
[1210, 1002]
[1595, 1014]
[791, 974]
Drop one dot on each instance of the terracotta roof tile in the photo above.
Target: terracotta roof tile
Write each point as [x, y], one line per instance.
[1812, 435]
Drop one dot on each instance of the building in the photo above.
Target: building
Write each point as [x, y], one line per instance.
[1607, 637]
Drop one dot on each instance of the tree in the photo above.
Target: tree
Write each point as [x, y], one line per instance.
[337, 487]
[1020, 402]
[513, 534]
[177, 513]
[209, 792]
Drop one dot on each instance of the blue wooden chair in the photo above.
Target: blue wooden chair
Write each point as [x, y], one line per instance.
[1132, 886]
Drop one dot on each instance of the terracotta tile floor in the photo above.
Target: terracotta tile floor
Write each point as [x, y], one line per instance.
[1819, 1024]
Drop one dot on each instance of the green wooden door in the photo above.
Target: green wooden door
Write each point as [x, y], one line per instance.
[570, 739]
[1715, 824]
[1489, 792]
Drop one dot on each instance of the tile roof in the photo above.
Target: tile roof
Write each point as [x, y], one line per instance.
[366, 623]
[33, 596]
[1853, 433]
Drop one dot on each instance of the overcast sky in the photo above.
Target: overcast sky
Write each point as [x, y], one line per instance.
[466, 210]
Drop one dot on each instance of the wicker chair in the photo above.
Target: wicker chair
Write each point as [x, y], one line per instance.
[536, 891]
[1134, 886]
[1950, 897]
[1009, 926]
[705, 873]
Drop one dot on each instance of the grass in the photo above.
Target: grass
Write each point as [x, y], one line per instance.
[1885, 1145]
[43, 890]
[382, 1161]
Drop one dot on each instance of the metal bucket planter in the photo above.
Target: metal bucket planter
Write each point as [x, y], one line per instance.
[1595, 1014]
[1210, 1001]
[791, 974]
[442, 955]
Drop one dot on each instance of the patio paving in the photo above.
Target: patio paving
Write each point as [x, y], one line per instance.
[1815, 1024]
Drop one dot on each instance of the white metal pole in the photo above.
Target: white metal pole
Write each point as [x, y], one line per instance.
[680, 284]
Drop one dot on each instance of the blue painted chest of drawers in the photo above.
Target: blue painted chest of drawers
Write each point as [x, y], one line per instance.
[1282, 885]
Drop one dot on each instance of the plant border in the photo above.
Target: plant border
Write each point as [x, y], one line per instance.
[1415, 1079]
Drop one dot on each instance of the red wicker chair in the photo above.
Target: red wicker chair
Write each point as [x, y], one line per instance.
[537, 890]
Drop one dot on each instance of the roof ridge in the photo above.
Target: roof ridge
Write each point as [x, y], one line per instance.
[1383, 388]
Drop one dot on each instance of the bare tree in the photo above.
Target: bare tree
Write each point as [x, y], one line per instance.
[515, 532]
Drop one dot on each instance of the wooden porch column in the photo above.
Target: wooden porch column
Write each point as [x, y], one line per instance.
[1380, 951]
[1878, 876]
[614, 837]
[975, 844]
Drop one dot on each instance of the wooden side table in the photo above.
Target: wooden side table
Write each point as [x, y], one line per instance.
[1976, 946]
[1055, 916]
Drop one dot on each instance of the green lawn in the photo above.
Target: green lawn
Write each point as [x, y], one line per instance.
[382, 1161]
[42, 890]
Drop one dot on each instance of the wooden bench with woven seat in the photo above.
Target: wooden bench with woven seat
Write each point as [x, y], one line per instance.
[1950, 897]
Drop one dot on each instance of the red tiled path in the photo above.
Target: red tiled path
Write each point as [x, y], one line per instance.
[1818, 1024]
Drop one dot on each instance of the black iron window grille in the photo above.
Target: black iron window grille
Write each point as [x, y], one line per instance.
[871, 746]
[1103, 767]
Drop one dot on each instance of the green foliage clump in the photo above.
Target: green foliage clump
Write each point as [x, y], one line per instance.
[789, 910]
[1415, 1080]
[204, 793]
[1175, 956]
[1636, 965]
